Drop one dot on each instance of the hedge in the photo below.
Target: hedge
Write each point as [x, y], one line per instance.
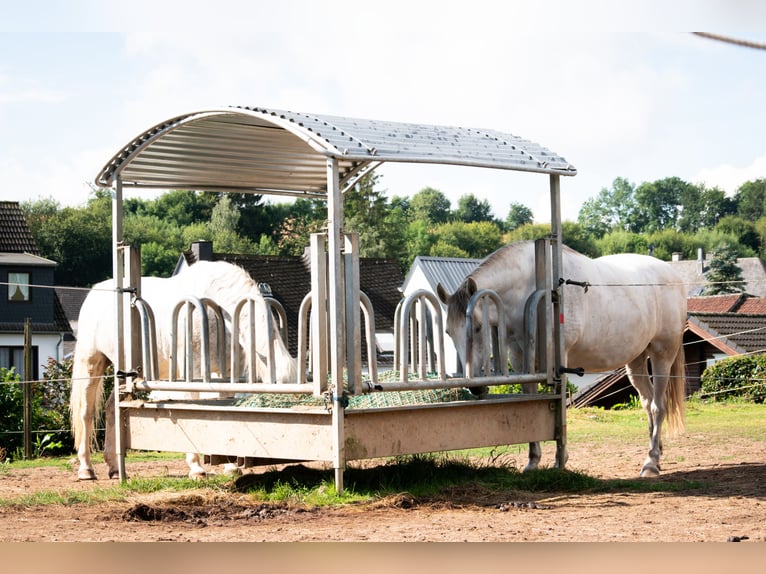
[742, 376]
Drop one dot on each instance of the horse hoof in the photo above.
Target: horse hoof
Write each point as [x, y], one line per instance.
[86, 474]
[650, 471]
[232, 470]
[197, 475]
[114, 474]
[530, 466]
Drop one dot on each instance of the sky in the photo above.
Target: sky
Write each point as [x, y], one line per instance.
[619, 89]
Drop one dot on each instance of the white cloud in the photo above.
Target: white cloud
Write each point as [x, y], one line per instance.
[730, 177]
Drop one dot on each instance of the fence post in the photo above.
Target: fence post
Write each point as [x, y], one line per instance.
[27, 389]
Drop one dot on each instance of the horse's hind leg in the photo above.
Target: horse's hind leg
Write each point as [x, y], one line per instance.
[651, 389]
[87, 381]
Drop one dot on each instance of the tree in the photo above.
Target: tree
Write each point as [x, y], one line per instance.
[78, 239]
[724, 275]
[223, 226]
[702, 208]
[182, 207]
[659, 202]
[750, 199]
[613, 208]
[518, 215]
[366, 212]
[470, 209]
[477, 239]
[430, 205]
[743, 229]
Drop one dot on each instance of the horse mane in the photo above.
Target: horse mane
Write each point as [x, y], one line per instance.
[460, 298]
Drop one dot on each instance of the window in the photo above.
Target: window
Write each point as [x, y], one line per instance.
[13, 357]
[18, 286]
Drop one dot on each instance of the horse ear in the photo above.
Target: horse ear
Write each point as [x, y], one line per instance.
[470, 286]
[442, 293]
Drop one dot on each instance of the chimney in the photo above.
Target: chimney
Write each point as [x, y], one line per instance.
[701, 260]
[202, 250]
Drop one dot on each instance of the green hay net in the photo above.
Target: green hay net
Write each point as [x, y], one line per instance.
[372, 399]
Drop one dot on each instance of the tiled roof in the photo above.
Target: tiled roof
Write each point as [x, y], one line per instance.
[71, 301]
[752, 306]
[744, 333]
[714, 303]
[290, 280]
[15, 236]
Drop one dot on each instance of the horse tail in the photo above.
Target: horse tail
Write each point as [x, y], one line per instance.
[84, 394]
[676, 394]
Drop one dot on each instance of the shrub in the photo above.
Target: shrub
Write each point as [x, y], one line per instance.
[743, 377]
[50, 410]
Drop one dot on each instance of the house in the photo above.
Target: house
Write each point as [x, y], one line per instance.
[693, 273]
[288, 280]
[428, 272]
[26, 292]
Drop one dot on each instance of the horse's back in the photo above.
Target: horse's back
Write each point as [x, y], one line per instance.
[633, 302]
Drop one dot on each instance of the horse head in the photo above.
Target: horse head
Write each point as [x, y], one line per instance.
[457, 306]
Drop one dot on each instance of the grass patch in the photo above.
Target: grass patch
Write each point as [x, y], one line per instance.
[431, 476]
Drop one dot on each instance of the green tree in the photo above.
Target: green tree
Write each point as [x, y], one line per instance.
[750, 199]
[619, 241]
[724, 275]
[477, 239]
[518, 215]
[430, 205]
[613, 208]
[223, 226]
[659, 202]
[181, 207]
[302, 218]
[744, 230]
[419, 240]
[470, 209]
[78, 239]
[702, 207]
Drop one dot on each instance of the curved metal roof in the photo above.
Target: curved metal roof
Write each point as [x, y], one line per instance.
[258, 150]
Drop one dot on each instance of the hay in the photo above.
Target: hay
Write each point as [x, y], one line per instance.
[374, 399]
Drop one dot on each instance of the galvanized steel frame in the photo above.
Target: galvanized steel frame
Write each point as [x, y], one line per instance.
[256, 150]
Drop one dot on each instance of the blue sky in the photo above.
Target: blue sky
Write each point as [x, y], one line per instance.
[619, 89]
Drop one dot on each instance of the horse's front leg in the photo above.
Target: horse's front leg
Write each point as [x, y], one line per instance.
[196, 470]
[110, 444]
[535, 452]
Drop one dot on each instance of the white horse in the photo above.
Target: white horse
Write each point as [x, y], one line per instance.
[224, 283]
[632, 312]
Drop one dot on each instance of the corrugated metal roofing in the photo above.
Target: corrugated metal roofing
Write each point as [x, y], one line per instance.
[258, 150]
[449, 271]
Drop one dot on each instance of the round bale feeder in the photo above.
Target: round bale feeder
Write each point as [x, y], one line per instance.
[344, 410]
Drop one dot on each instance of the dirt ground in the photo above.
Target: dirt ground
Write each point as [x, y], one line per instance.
[728, 505]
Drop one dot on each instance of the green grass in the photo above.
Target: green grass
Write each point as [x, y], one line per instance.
[432, 476]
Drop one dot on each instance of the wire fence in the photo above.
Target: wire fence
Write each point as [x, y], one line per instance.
[56, 401]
